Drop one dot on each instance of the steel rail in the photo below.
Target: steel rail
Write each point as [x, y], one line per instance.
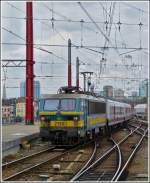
[26, 157]
[137, 126]
[41, 163]
[138, 132]
[88, 162]
[105, 154]
[120, 160]
[143, 121]
[130, 157]
[32, 167]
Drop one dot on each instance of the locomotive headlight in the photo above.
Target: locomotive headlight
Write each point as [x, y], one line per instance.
[42, 118]
[75, 118]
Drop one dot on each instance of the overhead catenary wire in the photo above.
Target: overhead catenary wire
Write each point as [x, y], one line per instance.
[81, 46]
[134, 7]
[119, 23]
[54, 12]
[71, 21]
[77, 46]
[97, 26]
[13, 6]
[82, 7]
[39, 48]
[114, 25]
[13, 33]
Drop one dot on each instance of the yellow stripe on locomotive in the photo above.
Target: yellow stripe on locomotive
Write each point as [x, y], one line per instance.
[97, 120]
[44, 113]
[80, 123]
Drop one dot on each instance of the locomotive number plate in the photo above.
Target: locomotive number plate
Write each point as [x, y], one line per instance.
[60, 123]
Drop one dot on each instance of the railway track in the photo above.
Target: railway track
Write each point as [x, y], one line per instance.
[36, 145]
[102, 170]
[128, 156]
[108, 166]
[93, 173]
[141, 130]
[22, 164]
[32, 167]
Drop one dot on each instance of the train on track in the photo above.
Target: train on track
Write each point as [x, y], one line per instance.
[141, 111]
[72, 116]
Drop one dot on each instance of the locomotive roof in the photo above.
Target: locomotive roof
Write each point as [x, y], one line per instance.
[82, 96]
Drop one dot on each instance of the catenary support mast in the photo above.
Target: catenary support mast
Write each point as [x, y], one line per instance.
[77, 73]
[69, 64]
[29, 65]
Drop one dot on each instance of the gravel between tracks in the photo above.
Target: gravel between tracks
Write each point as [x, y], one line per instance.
[36, 145]
[138, 169]
[69, 163]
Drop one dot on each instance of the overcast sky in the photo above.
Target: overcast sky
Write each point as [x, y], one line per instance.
[115, 65]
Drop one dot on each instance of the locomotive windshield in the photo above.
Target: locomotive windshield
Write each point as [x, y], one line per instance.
[51, 105]
[67, 105]
[63, 105]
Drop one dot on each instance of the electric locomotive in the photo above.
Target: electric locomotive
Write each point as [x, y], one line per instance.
[68, 118]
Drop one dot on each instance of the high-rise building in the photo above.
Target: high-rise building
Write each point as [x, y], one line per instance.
[22, 89]
[134, 94]
[4, 91]
[108, 91]
[119, 94]
[36, 89]
[143, 88]
[101, 93]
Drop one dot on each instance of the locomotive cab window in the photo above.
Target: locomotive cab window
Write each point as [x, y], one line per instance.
[67, 105]
[56, 104]
[51, 104]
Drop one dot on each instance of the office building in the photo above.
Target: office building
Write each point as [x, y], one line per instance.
[36, 90]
